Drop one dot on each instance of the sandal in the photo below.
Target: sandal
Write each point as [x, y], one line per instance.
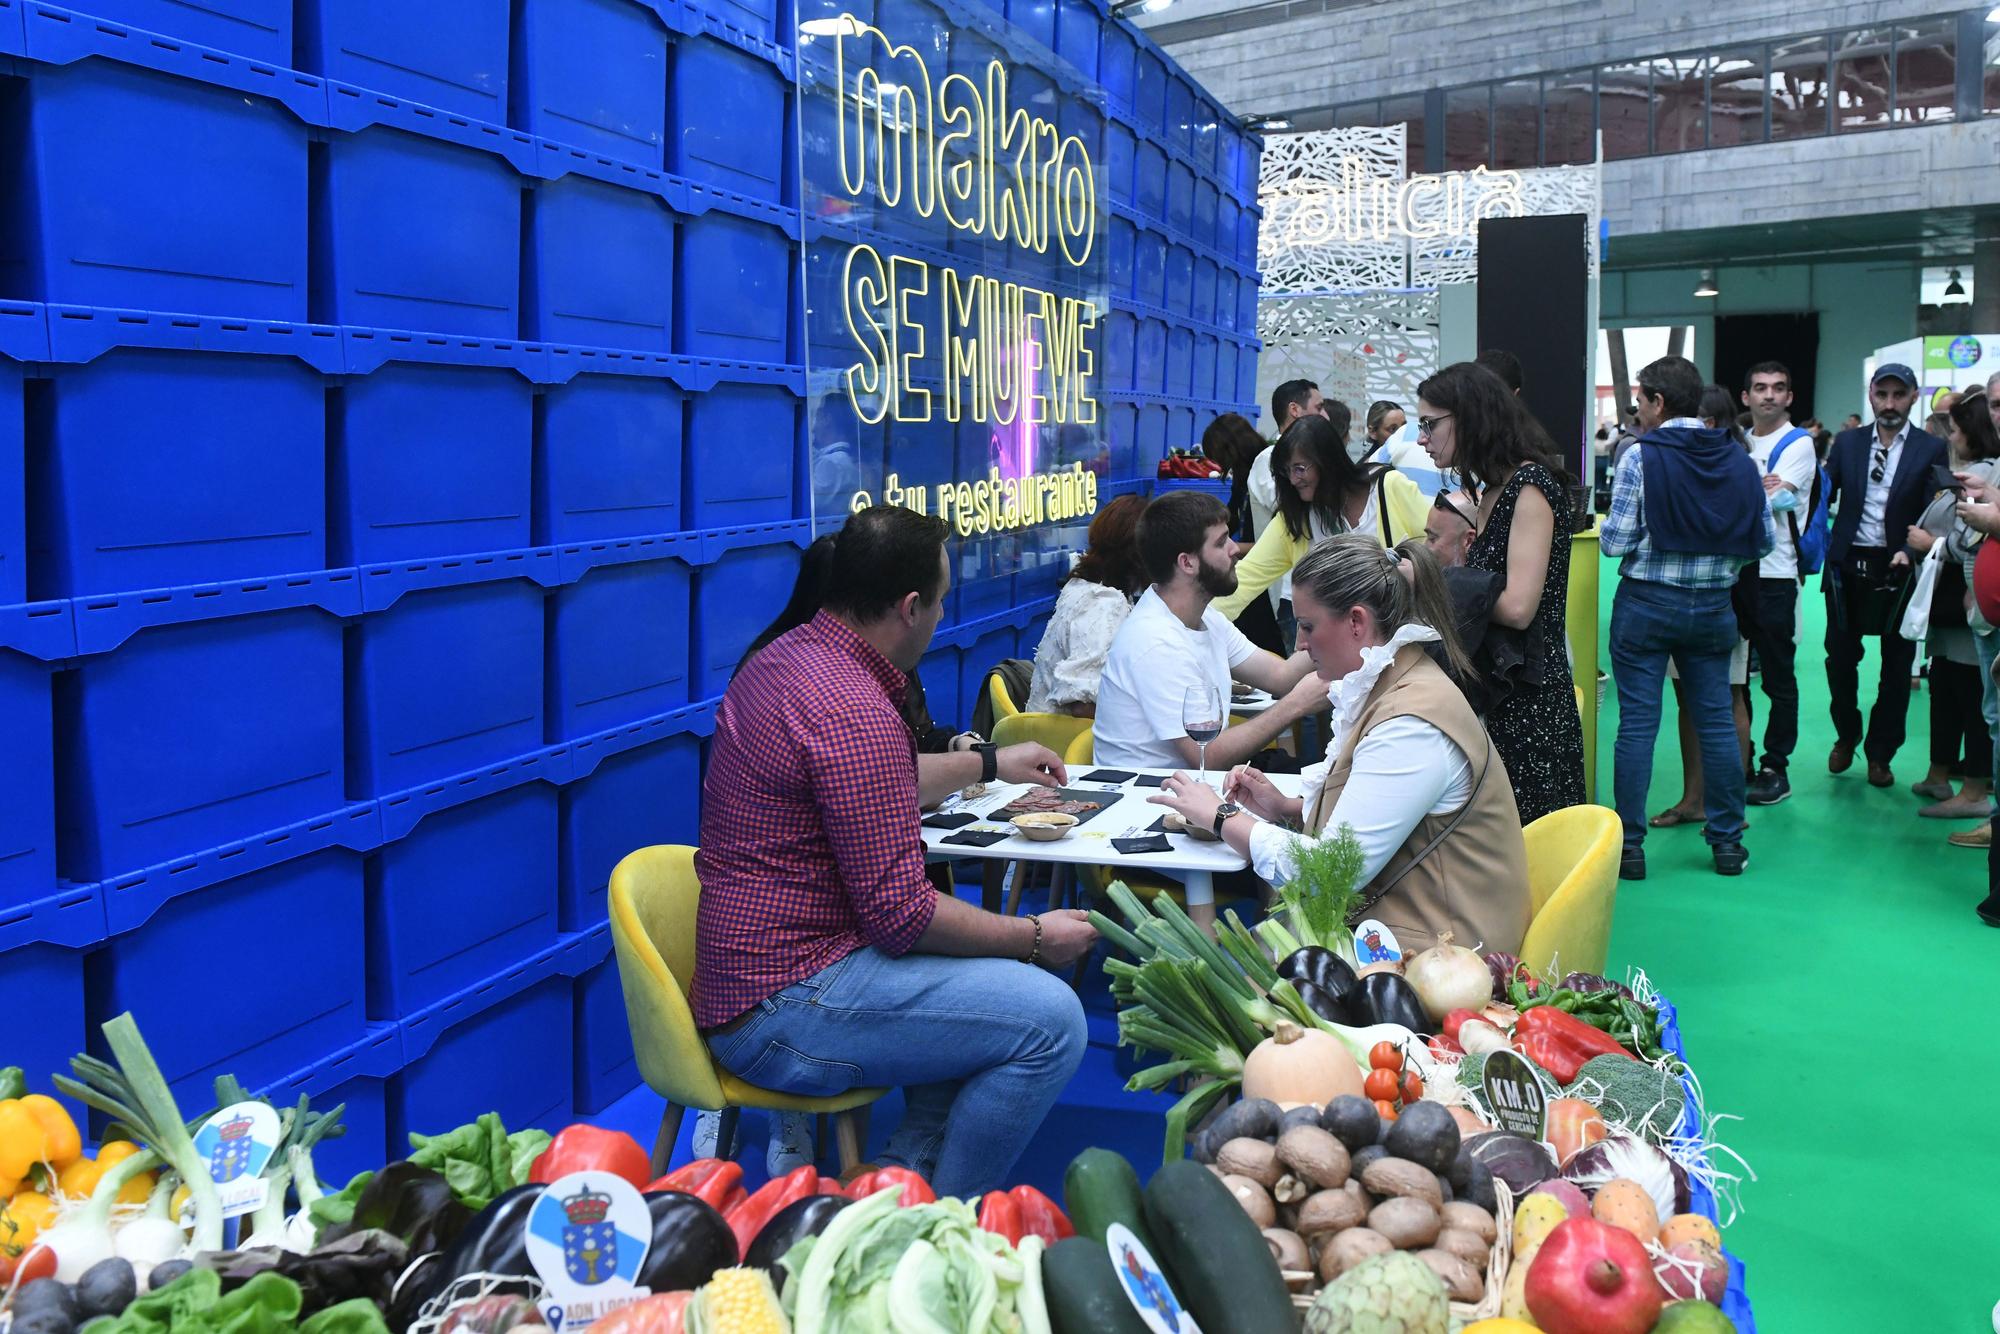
[1675, 815]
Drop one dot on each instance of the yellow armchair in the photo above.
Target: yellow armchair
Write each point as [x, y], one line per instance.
[1573, 884]
[654, 894]
[1057, 731]
[1003, 703]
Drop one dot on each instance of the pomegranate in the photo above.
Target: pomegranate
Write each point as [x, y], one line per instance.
[1592, 1278]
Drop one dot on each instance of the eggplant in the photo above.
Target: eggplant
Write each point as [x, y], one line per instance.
[1594, 982]
[1322, 1003]
[1388, 999]
[1321, 967]
[797, 1220]
[494, 1242]
[690, 1242]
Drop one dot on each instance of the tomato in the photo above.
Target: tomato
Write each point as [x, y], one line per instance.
[39, 1262]
[1413, 1087]
[1385, 1056]
[1380, 1086]
[1385, 1109]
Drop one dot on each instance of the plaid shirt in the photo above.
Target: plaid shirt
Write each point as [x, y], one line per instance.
[1624, 534]
[810, 846]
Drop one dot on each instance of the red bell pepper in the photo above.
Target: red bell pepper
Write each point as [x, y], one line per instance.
[747, 1219]
[1040, 1216]
[713, 1181]
[1000, 1215]
[1560, 1043]
[582, 1148]
[916, 1190]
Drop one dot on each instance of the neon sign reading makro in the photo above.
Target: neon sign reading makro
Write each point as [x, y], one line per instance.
[1001, 351]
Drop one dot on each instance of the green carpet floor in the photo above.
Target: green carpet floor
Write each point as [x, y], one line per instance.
[1835, 998]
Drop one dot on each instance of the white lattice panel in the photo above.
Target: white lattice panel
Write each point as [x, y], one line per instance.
[1317, 234]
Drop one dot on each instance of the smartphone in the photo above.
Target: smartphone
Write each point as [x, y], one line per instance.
[1942, 478]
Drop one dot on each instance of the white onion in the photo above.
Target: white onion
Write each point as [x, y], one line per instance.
[78, 1245]
[147, 1242]
[1449, 977]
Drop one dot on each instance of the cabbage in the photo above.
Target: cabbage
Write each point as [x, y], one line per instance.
[1635, 1160]
[1514, 1159]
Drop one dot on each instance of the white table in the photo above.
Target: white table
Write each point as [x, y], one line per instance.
[1249, 706]
[1128, 815]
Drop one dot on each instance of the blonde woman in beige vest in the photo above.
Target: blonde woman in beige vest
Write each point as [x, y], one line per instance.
[1410, 768]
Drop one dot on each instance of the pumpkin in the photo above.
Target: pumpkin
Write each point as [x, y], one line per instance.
[1299, 1066]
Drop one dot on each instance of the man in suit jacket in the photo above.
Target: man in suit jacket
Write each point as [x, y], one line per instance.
[1881, 476]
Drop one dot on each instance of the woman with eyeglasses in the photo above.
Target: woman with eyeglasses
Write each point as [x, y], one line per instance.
[1322, 491]
[1467, 420]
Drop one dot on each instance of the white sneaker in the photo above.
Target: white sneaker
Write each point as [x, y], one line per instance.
[707, 1130]
[791, 1143]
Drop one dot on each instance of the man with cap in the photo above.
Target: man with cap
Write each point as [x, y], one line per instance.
[1882, 477]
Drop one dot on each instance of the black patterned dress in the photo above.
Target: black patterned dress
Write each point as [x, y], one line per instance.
[1534, 724]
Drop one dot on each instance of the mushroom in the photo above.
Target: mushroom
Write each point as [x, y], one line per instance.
[1251, 1158]
[1314, 1156]
[1288, 1249]
[1341, 1253]
[1330, 1211]
[1256, 1201]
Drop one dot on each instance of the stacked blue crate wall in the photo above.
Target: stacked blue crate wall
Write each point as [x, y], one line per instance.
[367, 626]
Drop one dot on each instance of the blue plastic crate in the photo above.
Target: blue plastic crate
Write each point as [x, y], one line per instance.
[451, 54]
[592, 73]
[1180, 114]
[640, 797]
[984, 576]
[41, 949]
[1180, 361]
[1035, 18]
[727, 121]
[158, 468]
[422, 704]
[27, 782]
[735, 284]
[600, 266]
[415, 233]
[13, 484]
[1246, 375]
[617, 647]
[1201, 227]
[502, 1046]
[1246, 237]
[1149, 96]
[1149, 181]
[1201, 382]
[1077, 26]
[467, 892]
[1120, 432]
[978, 658]
[1150, 444]
[1180, 277]
[606, 1069]
[1222, 236]
[938, 670]
[1120, 240]
[429, 460]
[255, 976]
[734, 599]
[1120, 150]
[742, 453]
[1181, 434]
[1248, 160]
[845, 455]
[192, 736]
[1149, 358]
[1225, 369]
[1149, 268]
[1119, 360]
[354, 1078]
[1246, 307]
[1201, 296]
[260, 29]
[113, 193]
[1117, 65]
[756, 18]
[607, 458]
[1225, 297]
[1180, 198]
[1207, 124]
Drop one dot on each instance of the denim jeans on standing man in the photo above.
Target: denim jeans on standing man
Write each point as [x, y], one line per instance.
[1695, 627]
[981, 1047]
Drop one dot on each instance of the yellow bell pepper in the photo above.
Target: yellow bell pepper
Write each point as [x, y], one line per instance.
[65, 1145]
[138, 1190]
[80, 1178]
[178, 1203]
[26, 1216]
[23, 1142]
[113, 1152]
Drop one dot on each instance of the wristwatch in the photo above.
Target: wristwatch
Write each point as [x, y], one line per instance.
[1222, 814]
[989, 761]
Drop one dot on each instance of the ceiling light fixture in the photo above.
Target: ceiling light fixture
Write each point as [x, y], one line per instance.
[845, 25]
[1706, 287]
[1993, 14]
[1124, 7]
[1263, 124]
[1954, 287]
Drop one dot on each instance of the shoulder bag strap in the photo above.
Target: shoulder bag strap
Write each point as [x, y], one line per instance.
[1431, 846]
[1382, 507]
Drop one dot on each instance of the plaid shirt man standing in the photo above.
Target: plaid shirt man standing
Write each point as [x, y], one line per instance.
[822, 952]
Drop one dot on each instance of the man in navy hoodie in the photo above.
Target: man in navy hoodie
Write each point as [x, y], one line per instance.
[1688, 512]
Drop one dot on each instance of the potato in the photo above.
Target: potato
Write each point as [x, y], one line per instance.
[1330, 1211]
[1386, 1177]
[1462, 1282]
[1251, 1158]
[1409, 1223]
[1341, 1253]
[1629, 1205]
[1256, 1201]
[1466, 1246]
[1470, 1218]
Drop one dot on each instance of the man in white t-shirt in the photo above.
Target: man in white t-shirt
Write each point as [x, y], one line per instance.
[1289, 401]
[1174, 642]
[1767, 392]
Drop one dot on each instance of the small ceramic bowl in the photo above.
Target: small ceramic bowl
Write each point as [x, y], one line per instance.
[1175, 825]
[1044, 826]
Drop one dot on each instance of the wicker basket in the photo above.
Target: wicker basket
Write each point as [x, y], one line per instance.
[1497, 1261]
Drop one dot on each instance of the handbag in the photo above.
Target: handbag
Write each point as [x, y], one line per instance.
[1917, 616]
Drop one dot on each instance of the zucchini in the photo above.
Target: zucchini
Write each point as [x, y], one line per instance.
[1216, 1257]
[1099, 1189]
[1082, 1290]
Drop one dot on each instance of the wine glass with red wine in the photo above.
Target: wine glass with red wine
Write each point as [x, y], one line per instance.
[1201, 715]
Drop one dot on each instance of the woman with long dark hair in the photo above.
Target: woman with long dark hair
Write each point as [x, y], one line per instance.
[1467, 420]
[1094, 602]
[1322, 491]
[1232, 443]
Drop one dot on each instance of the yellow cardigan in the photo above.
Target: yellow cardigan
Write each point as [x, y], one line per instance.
[1276, 551]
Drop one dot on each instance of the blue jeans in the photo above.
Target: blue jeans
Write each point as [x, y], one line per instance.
[981, 1047]
[1696, 628]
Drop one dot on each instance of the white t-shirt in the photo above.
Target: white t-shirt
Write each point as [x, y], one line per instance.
[1263, 488]
[1795, 469]
[1153, 661]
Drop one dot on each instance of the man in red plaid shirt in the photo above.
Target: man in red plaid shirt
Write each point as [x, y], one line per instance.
[825, 959]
